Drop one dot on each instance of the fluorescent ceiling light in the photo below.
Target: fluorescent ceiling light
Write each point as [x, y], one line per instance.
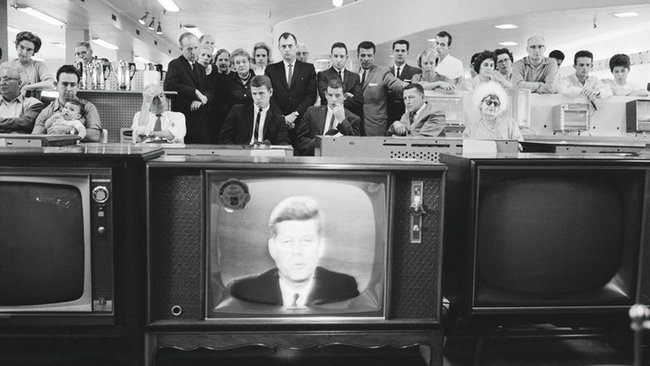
[13, 30]
[169, 5]
[193, 29]
[142, 59]
[508, 43]
[505, 26]
[37, 14]
[38, 59]
[627, 14]
[105, 44]
[58, 44]
[431, 39]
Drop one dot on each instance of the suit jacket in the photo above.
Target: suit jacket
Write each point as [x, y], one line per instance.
[378, 82]
[351, 84]
[313, 123]
[238, 127]
[264, 288]
[428, 123]
[296, 97]
[185, 81]
[396, 101]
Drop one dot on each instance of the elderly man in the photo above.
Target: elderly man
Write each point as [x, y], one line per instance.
[420, 118]
[17, 113]
[376, 81]
[84, 52]
[535, 72]
[153, 122]
[302, 53]
[67, 85]
[187, 77]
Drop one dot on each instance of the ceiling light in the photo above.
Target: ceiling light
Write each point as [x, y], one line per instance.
[337, 3]
[431, 39]
[105, 44]
[169, 5]
[627, 14]
[508, 43]
[159, 29]
[152, 24]
[37, 14]
[142, 59]
[59, 44]
[13, 30]
[193, 29]
[38, 59]
[505, 26]
[143, 20]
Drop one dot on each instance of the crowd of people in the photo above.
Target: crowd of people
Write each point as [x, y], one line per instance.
[239, 97]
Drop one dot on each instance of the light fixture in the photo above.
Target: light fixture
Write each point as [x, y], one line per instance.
[505, 26]
[143, 20]
[431, 39]
[142, 59]
[169, 5]
[59, 44]
[38, 59]
[193, 29]
[337, 3]
[152, 24]
[105, 44]
[13, 30]
[159, 29]
[37, 14]
[627, 14]
[508, 43]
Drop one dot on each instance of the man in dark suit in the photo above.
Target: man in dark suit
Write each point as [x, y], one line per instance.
[294, 84]
[350, 80]
[330, 120]
[296, 245]
[255, 122]
[188, 78]
[402, 71]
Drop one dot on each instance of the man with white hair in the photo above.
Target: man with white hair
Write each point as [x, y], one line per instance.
[17, 112]
[153, 122]
[535, 72]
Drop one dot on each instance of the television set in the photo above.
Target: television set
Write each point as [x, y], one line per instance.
[56, 252]
[543, 235]
[217, 248]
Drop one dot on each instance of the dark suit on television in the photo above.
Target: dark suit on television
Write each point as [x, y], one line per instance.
[238, 127]
[185, 81]
[313, 124]
[264, 288]
[395, 100]
[296, 97]
[351, 84]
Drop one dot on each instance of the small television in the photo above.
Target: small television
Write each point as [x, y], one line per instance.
[56, 252]
[229, 247]
[538, 234]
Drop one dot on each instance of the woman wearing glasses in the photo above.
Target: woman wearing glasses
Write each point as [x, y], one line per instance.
[491, 99]
[35, 74]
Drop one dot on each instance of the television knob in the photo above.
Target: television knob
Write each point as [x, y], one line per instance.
[100, 194]
[101, 230]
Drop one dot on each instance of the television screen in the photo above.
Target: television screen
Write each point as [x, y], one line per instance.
[296, 244]
[43, 252]
[557, 237]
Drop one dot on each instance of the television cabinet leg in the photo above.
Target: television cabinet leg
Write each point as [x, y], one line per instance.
[478, 348]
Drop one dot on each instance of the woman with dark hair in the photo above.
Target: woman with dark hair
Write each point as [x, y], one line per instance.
[491, 100]
[485, 67]
[429, 78]
[619, 65]
[237, 86]
[34, 74]
[261, 57]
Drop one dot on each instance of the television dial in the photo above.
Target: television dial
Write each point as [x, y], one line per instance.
[100, 194]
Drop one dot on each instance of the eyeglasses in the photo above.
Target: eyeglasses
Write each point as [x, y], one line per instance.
[493, 102]
[66, 84]
[6, 79]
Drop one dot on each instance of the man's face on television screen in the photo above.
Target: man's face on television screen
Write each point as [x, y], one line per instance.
[296, 249]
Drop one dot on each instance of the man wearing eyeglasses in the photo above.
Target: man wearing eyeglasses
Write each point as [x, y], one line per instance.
[17, 112]
[535, 72]
[67, 85]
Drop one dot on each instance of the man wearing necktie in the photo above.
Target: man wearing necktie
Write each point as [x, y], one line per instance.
[350, 80]
[294, 85]
[154, 123]
[256, 122]
[402, 71]
[420, 118]
[330, 120]
[188, 78]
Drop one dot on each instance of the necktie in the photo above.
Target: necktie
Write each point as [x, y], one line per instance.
[341, 75]
[330, 125]
[411, 117]
[294, 304]
[363, 77]
[157, 127]
[257, 125]
[290, 74]
[397, 72]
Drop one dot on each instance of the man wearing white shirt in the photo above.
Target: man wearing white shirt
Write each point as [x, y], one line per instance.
[448, 65]
[154, 123]
[330, 120]
[581, 83]
[256, 122]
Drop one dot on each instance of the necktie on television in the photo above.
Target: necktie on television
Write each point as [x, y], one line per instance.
[257, 125]
[157, 126]
[290, 74]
